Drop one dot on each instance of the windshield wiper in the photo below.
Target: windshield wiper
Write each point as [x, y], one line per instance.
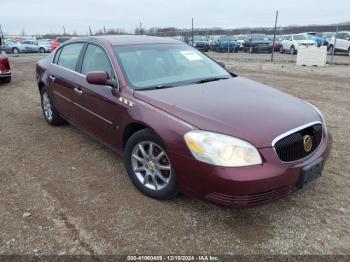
[156, 87]
[210, 79]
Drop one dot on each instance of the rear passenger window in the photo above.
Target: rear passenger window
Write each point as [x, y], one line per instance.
[69, 55]
[96, 59]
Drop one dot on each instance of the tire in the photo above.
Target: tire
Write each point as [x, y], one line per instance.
[330, 50]
[147, 178]
[50, 112]
[15, 50]
[281, 50]
[349, 52]
[6, 79]
[292, 50]
[41, 50]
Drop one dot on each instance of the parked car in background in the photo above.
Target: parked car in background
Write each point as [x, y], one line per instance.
[58, 41]
[25, 46]
[201, 43]
[313, 36]
[226, 44]
[8, 45]
[292, 43]
[342, 44]
[182, 121]
[278, 44]
[326, 36]
[240, 40]
[44, 45]
[212, 41]
[5, 69]
[256, 43]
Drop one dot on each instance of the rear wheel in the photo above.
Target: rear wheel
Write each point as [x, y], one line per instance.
[148, 165]
[50, 112]
[6, 79]
[15, 50]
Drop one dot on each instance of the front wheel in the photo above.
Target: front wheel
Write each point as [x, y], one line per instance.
[50, 112]
[41, 50]
[281, 50]
[292, 50]
[330, 50]
[15, 50]
[148, 165]
[349, 52]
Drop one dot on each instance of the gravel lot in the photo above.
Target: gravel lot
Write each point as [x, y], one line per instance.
[63, 193]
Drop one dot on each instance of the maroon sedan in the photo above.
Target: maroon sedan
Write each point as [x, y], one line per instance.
[5, 69]
[183, 122]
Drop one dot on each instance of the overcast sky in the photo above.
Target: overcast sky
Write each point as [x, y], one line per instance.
[45, 16]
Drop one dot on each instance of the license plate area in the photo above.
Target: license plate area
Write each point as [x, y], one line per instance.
[310, 172]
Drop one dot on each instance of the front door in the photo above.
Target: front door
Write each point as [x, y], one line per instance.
[100, 111]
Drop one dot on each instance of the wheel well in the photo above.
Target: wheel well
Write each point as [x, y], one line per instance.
[130, 130]
[40, 86]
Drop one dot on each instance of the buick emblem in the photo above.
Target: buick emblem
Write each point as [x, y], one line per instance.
[307, 143]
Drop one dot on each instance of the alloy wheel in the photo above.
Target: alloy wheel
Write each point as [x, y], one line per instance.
[151, 165]
[47, 106]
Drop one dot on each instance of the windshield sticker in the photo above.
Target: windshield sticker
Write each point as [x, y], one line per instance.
[191, 56]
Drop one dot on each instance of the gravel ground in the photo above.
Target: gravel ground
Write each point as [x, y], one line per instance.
[63, 193]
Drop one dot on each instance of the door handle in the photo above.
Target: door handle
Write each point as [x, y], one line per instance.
[52, 77]
[78, 91]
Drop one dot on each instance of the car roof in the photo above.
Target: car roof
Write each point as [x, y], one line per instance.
[130, 39]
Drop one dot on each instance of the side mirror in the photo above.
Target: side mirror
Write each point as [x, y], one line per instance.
[222, 64]
[101, 78]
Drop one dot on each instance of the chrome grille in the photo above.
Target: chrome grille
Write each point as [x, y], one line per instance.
[291, 147]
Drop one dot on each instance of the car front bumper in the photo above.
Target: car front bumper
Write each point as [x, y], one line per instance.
[262, 48]
[5, 74]
[245, 186]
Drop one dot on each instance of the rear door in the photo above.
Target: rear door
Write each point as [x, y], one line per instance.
[100, 111]
[63, 78]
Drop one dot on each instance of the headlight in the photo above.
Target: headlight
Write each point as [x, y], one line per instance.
[221, 150]
[194, 44]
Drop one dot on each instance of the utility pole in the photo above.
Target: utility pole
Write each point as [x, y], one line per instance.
[192, 33]
[64, 30]
[274, 37]
[2, 36]
[335, 43]
[90, 30]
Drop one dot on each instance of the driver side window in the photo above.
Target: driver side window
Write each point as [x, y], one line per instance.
[96, 59]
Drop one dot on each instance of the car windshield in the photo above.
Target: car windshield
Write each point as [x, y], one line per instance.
[199, 38]
[241, 37]
[260, 38]
[166, 65]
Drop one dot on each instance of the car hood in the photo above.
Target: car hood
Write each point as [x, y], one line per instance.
[305, 41]
[261, 42]
[237, 107]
